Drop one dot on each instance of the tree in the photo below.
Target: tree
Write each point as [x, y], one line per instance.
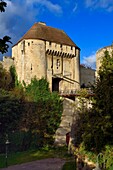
[43, 110]
[97, 123]
[3, 44]
[2, 6]
[10, 111]
[6, 39]
[104, 98]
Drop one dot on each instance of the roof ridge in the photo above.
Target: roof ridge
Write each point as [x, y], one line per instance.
[47, 33]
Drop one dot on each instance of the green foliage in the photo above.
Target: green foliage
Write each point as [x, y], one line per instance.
[8, 79]
[14, 82]
[32, 155]
[109, 156]
[103, 101]
[90, 155]
[3, 44]
[106, 65]
[96, 123]
[38, 90]
[43, 110]
[2, 6]
[69, 166]
[22, 141]
[10, 111]
[6, 39]
[83, 93]
[30, 114]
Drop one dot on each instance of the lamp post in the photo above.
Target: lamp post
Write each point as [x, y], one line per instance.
[6, 153]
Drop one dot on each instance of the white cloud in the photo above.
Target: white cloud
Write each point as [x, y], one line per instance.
[90, 61]
[18, 13]
[21, 14]
[104, 4]
[46, 3]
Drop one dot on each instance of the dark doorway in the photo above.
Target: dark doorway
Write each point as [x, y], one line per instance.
[55, 84]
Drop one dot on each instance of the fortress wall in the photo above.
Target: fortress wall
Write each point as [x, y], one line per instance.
[100, 54]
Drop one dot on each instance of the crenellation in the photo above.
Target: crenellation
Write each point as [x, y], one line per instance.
[51, 46]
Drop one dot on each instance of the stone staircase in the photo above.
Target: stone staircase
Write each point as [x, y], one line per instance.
[66, 121]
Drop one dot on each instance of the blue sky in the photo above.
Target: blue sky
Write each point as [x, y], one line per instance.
[89, 23]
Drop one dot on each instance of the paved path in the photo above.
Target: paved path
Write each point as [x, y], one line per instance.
[45, 164]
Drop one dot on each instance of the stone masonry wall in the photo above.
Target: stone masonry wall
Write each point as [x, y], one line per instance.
[29, 59]
[87, 76]
[100, 54]
[66, 122]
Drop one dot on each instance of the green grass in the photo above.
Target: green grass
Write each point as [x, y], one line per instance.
[69, 166]
[111, 168]
[32, 155]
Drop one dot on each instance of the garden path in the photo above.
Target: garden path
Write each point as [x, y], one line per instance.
[45, 164]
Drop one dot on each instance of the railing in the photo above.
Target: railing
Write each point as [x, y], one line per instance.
[74, 92]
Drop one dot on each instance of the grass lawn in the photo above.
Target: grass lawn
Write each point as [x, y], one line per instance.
[69, 166]
[32, 155]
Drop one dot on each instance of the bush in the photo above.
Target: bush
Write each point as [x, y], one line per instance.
[109, 156]
[29, 116]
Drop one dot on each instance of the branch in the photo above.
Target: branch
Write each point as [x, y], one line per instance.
[2, 6]
[3, 44]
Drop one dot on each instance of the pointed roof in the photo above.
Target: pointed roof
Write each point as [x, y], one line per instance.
[43, 32]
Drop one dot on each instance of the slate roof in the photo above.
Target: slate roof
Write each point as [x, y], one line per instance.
[47, 33]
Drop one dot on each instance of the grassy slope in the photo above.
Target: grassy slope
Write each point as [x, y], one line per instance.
[32, 155]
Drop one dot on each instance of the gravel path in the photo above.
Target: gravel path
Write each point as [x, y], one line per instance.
[45, 164]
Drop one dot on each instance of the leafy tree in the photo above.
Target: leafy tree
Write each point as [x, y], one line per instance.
[33, 112]
[43, 110]
[14, 78]
[6, 39]
[10, 112]
[96, 123]
[104, 99]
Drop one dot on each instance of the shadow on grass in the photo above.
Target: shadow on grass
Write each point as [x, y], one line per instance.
[69, 166]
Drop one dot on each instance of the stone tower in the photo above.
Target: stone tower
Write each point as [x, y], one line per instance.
[100, 55]
[49, 53]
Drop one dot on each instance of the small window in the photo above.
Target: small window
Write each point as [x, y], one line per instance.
[71, 48]
[22, 51]
[49, 43]
[58, 63]
[28, 43]
[31, 67]
[60, 45]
